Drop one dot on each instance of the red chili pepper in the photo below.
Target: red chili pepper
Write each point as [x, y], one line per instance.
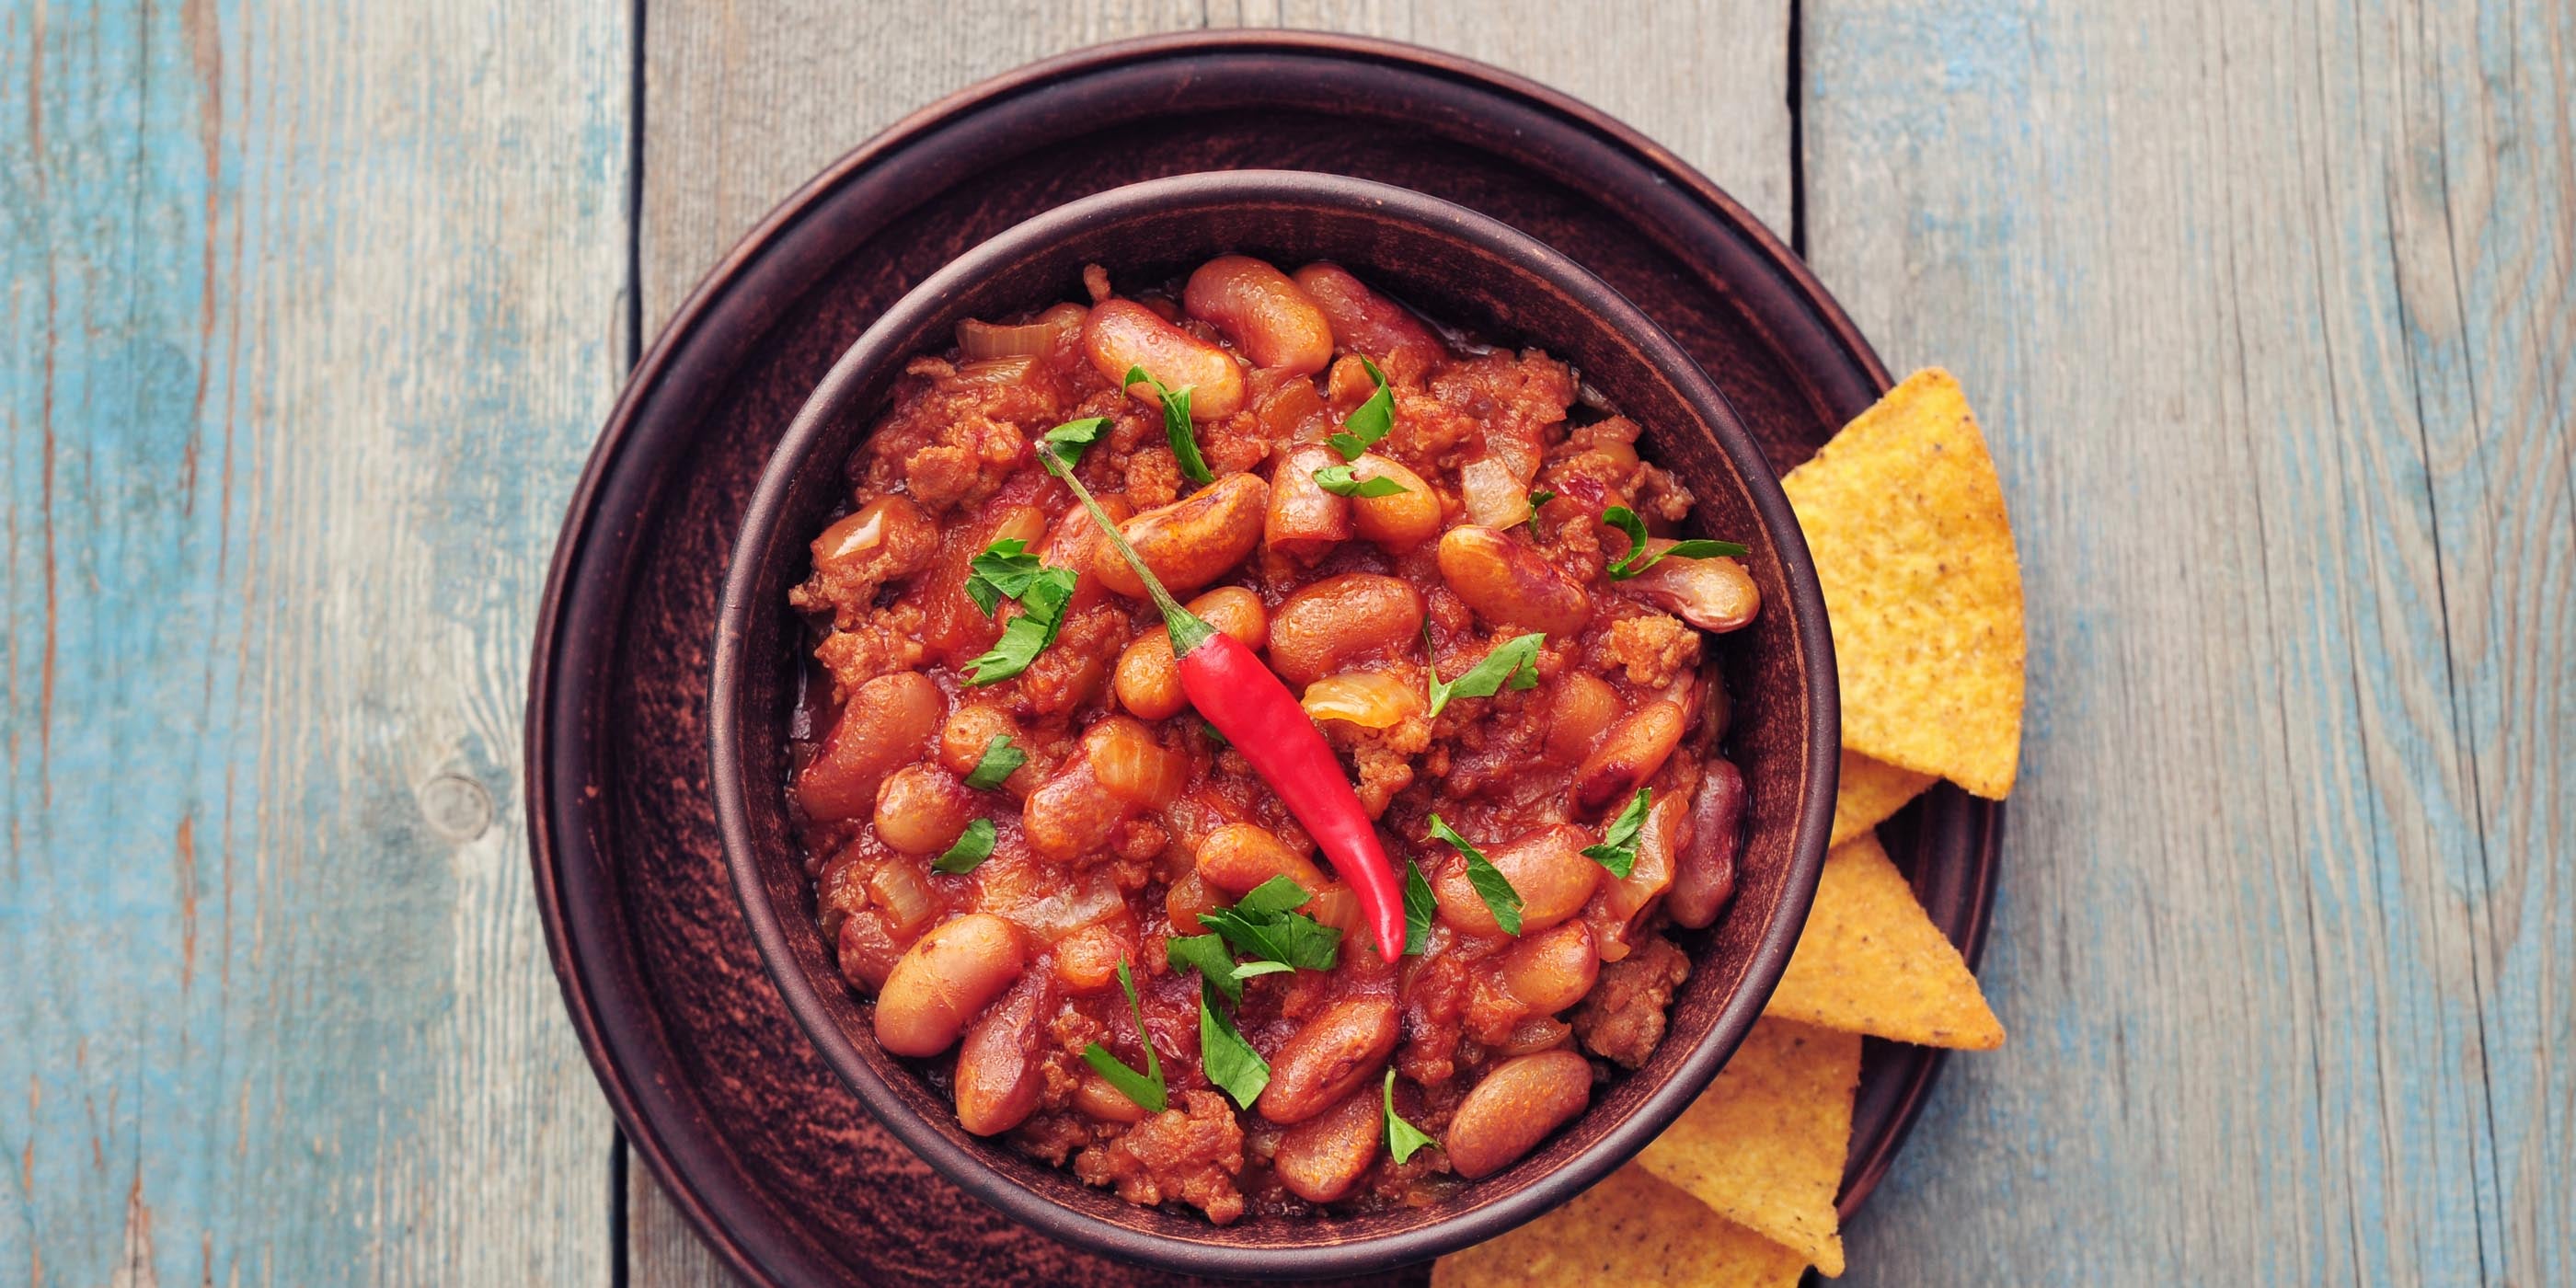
[1264, 722]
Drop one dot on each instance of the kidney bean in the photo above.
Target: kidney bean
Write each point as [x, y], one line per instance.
[1130, 765]
[1072, 815]
[1579, 710]
[997, 1080]
[1238, 857]
[1123, 334]
[1631, 753]
[885, 724]
[1714, 594]
[1333, 621]
[1510, 583]
[971, 729]
[1519, 1102]
[1192, 541]
[922, 808]
[1339, 1048]
[1399, 522]
[1704, 869]
[1552, 970]
[1263, 312]
[1547, 869]
[1323, 1158]
[944, 979]
[1304, 520]
[1364, 321]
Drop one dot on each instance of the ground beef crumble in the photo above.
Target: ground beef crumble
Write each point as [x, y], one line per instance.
[1190, 1152]
[1623, 1018]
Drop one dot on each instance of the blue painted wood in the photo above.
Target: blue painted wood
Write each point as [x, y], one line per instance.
[306, 319]
[2270, 312]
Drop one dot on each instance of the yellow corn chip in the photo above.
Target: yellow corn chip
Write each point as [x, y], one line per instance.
[1764, 1145]
[1906, 520]
[1631, 1230]
[1870, 791]
[1870, 961]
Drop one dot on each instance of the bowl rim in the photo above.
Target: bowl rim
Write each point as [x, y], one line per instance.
[877, 345]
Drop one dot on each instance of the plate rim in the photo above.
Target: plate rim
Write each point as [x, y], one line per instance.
[582, 525]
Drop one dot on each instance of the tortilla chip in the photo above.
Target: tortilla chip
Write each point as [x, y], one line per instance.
[1870, 961]
[1631, 1230]
[1764, 1145]
[1906, 521]
[1870, 791]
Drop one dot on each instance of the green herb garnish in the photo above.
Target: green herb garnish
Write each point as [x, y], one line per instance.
[1027, 635]
[1214, 735]
[1403, 1139]
[1420, 905]
[1003, 571]
[1638, 559]
[1490, 883]
[973, 846]
[1514, 661]
[1541, 497]
[1176, 424]
[1618, 848]
[1068, 439]
[1262, 925]
[1208, 955]
[1367, 422]
[1146, 1088]
[1228, 1060]
[999, 762]
[1338, 480]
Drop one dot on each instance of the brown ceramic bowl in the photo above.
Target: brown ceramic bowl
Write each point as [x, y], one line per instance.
[1457, 267]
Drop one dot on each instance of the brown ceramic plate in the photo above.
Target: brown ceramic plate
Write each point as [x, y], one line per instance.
[718, 1090]
[1456, 266]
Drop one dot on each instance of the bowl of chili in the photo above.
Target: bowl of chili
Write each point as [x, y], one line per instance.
[1452, 264]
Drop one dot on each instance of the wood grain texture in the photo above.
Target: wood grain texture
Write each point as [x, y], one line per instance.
[306, 320]
[2268, 310]
[740, 109]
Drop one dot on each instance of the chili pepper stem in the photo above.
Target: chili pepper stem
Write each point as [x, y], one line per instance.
[1188, 629]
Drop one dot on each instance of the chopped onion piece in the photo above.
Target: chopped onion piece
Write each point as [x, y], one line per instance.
[1369, 699]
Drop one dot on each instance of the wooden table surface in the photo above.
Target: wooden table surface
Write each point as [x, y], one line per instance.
[310, 318]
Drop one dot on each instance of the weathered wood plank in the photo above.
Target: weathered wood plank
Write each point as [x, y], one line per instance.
[307, 319]
[2269, 309]
[740, 111]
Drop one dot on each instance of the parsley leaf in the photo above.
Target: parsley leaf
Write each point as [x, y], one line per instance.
[1514, 661]
[1146, 1088]
[1253, 970]
[1541, 497]
[1228, 1060]
[1214, 735]
[1208, 955]
[1003, 571]
[999, 762]
[1618, 848]
[973, 847]
[1027, 635]
[1261, 925]
[1419, 907]
[1367, 422]
[1490, 883]
[1338, 480]
[1068, 439]
[1638, 559]
[1403, 1139]
[1176, 424]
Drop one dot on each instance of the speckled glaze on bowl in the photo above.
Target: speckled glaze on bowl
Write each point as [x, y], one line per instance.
[1457, 266]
